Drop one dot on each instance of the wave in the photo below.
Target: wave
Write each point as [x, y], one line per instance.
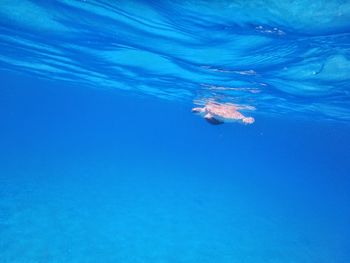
[284, 58]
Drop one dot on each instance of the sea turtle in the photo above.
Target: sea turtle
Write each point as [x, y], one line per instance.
[218, 113]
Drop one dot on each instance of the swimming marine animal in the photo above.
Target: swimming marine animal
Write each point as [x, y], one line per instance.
[219, 113]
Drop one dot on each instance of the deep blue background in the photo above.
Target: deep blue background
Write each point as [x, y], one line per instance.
[108, 177]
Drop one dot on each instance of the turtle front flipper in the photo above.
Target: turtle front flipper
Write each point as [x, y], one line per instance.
[212, 120]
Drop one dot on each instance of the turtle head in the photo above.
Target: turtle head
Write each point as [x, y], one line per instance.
[197, 110]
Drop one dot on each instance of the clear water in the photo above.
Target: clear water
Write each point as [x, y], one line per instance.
[101, 159]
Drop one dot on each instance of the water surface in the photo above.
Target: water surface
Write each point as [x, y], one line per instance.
[101, 159]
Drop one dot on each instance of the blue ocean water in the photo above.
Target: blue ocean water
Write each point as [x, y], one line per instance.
[102, 160]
